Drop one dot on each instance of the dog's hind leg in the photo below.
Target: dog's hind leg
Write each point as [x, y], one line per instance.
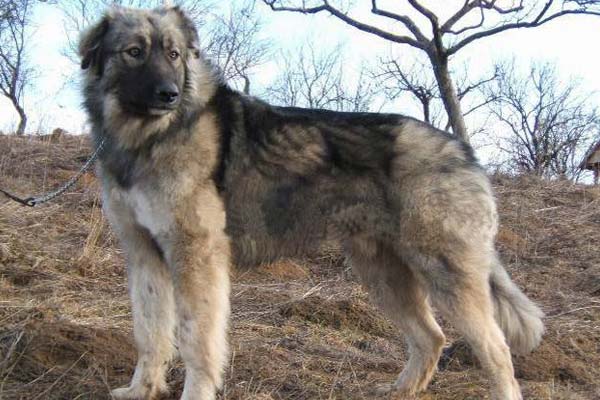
[153, 309]
[401, 297]
[459, 287]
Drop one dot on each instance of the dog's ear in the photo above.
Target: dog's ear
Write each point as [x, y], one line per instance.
[90, 44]
[189, 29]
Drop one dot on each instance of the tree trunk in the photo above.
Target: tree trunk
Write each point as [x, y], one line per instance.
[449, 95]
[246, 84]
[22, 121]
[426, 110]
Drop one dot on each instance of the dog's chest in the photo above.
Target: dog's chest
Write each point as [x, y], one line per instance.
[152, 210]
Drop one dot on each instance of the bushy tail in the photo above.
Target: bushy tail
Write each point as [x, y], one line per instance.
[519, 318]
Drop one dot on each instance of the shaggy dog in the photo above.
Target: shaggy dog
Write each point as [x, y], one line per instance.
[197, 176]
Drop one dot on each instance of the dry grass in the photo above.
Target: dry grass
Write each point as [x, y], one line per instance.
[300, 330]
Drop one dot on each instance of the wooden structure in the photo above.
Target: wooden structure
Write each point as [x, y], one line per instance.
[592, 161]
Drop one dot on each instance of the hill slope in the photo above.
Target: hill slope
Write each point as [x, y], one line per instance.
[300, 330]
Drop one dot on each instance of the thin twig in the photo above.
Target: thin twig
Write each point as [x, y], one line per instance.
[60, 377]
[572, 311]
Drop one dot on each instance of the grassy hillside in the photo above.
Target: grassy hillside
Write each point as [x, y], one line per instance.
[299, 330]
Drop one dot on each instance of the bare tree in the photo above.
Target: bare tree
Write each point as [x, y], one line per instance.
[6, 13]
[415, 80]
[549, 124]
[360, 97]
[418, 80]
[316, 79]
[15, 72]
[472, 20]
[234, 44]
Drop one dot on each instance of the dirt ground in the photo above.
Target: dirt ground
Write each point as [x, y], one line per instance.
[300, 330]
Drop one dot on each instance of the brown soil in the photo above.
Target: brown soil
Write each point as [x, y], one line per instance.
[299, 330]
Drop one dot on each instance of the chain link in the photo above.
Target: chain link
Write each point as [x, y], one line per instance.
[35, 200]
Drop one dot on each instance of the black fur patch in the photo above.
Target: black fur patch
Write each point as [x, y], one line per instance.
[353, 141]
[119, 163]
[278, 204]
[92, 50]
[222, 104]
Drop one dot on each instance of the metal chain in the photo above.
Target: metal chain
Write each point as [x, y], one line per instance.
[35, 200]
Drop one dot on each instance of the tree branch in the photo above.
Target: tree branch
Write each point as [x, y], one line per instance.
[405, 20]
[540, 19]
[464, 10]
[468, 7]
[427, 13]
[350, 21]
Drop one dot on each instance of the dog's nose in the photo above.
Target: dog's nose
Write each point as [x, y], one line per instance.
[167, 93]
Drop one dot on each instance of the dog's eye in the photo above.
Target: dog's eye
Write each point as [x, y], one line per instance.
[173, 55]
[134, 52]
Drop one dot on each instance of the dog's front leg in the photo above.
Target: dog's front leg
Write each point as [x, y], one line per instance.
[201, 279]
[153, 306]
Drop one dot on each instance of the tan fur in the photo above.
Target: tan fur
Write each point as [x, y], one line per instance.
[225, 178]
[187, 219]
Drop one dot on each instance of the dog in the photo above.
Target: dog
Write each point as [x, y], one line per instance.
[197, 177]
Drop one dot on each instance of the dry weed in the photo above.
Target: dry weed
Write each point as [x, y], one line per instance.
[300, 330]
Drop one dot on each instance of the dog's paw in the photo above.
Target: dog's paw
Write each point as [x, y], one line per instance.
[513, 393]
[124, 393]
[391, 391]
[137, 393]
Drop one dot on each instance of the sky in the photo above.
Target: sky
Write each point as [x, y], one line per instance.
[570, 42]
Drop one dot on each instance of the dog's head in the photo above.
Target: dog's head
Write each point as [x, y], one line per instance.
[142, 61]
